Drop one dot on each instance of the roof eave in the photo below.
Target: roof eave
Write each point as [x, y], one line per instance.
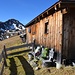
[62, 4]
[30, 23]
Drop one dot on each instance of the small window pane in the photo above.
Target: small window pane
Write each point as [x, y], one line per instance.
[46, 27]
[29, 30]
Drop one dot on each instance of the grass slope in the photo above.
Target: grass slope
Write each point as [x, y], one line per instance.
[18, 65]
[10, 42]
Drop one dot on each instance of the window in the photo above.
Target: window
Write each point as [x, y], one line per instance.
[33, 29]
[46, 27]
[29, 30]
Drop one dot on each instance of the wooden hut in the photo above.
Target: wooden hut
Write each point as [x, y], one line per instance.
[55, 28]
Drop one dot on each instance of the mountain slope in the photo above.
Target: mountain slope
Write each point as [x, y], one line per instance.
[11, 24]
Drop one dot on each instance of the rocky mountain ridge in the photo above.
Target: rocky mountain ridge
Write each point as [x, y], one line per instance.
[11, 24]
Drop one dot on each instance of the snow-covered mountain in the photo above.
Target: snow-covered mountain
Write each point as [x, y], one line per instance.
[11, 24]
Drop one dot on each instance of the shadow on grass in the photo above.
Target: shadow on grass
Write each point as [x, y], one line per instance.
[26, 66]
[13, 67]
[15, 53]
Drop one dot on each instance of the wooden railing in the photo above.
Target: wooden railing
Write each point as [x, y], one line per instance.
[3, 55]
[2, 60]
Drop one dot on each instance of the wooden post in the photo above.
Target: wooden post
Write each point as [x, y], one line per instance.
[1, 72]
[5, 53]
[33, 45]
[58, 63]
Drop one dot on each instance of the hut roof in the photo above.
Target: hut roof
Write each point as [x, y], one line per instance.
[55, 7]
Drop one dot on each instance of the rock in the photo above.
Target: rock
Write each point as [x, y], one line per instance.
[37, 68]
[34, 64]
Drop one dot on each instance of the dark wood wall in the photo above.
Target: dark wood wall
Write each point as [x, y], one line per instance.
[67, 0]
[69, 34]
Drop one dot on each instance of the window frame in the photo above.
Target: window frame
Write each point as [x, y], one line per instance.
[29, 30]
[46, 31]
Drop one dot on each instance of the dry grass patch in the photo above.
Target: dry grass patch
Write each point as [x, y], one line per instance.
[18, 65]
[13, 41]
[53, 71]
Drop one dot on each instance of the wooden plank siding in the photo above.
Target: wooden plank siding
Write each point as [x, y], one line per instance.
[61, 28]
[72, 34]
[66, 36]
[69, 34]
[52, 39]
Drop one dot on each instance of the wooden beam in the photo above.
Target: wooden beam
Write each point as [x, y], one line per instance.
[42, 15]
[55, 7]
[4, 56]
[38, 18]
[68, 4]
[47, 12]
[64, 11]
[17, 47]
[5, 51]
[1, 72]
[59, 5]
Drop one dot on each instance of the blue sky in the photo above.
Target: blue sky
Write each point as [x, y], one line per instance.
[23, 10]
